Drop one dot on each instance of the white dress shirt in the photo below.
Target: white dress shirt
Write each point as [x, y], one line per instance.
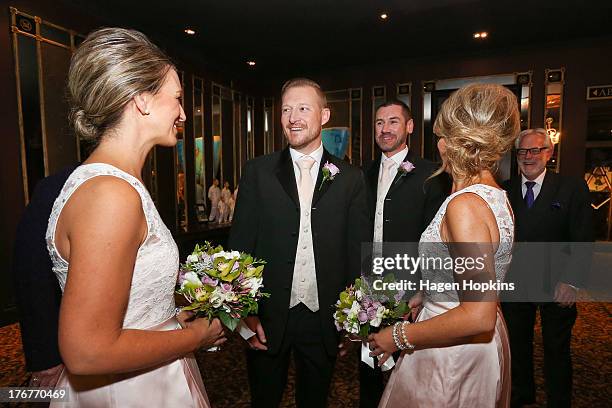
[398, 158]
[317, 155]
[536, 187]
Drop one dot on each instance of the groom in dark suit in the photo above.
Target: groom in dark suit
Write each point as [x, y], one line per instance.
[547, 208]
[305, 213]
[402, 202]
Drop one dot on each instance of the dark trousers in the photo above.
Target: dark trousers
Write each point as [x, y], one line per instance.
[313, 365]
[557, 323]
[370, 385]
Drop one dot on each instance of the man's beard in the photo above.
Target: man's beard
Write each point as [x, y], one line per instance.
[312, 134]
[398, 143]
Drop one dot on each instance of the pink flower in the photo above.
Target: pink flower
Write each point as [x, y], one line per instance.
[406, 167]
[403, 169]
[329, 172]
[363, 317]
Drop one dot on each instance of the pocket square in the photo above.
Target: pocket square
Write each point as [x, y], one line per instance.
[556, 205]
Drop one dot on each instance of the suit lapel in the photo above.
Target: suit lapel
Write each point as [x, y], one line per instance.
[547, 192]
[322, 189]
[373, 176]
[535, 215]
[286, 175]
[400, 177]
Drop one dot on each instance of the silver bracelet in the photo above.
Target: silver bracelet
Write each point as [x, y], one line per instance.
[396, 336]
[407, 344]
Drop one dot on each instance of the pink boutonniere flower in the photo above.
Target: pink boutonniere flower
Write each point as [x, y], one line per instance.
[329, 173]
[404, 168]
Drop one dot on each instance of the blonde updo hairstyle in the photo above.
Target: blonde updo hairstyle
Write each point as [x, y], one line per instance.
[107, 70]
[479, 123]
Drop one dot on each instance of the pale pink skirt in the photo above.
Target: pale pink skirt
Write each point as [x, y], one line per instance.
[466, 375]
[176, 383]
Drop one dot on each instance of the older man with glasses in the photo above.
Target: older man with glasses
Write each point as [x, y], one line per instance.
[548, 208]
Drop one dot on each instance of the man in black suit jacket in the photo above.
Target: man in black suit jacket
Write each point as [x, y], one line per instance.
[309, 233]
[547, 208]
[402, 204]
[32, 274]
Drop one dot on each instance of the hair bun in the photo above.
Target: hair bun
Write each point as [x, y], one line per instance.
[83, 125]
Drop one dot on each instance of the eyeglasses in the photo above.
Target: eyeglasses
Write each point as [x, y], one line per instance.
[534, 151]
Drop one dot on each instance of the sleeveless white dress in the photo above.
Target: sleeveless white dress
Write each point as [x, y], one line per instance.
[151, 307]
[466, 375]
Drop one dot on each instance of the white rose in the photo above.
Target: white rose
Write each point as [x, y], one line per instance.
[216, 298]
[355, 308]
[358, 294]
[192, 259]
[253, 284]
[227, 255]
[191, 277]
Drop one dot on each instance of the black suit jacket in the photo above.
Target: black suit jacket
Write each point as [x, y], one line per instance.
[411, 201]
[37, 289]
[266, 223]
[562, 212]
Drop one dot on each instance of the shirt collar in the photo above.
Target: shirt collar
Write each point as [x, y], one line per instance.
[538, 180]
[398, 157]
[317, 155]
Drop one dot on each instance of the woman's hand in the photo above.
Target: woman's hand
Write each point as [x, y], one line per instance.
[382, 345]
[209, 332]
[415, 303]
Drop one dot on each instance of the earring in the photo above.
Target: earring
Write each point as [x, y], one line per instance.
[147, 112]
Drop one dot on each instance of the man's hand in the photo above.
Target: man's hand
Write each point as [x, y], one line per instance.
[46, 378]
[565, 295]
[256, 342]
[345, 344]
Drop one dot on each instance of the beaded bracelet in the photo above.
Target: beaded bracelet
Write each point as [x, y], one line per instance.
[396, 336]
[407, 344]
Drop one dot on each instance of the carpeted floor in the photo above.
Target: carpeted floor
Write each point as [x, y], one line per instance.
[226, 380]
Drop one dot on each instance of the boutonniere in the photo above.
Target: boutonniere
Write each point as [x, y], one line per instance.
[403, 169]
[556, 205]
[329, 173]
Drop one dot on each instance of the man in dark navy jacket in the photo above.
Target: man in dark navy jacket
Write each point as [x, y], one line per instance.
[36, 288]
[548, 208]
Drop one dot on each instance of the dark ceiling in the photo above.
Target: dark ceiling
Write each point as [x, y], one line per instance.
[283, 36]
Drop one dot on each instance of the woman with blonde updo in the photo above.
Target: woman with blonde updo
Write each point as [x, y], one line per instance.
[116, 261]
[457, 352]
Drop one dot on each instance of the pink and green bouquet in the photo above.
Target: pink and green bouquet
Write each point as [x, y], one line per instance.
[362, 310]
[223, 284]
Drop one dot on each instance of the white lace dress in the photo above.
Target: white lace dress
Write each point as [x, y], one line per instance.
[466, 375]
[150, 306]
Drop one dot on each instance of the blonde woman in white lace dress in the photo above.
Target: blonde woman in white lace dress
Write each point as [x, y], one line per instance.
[115, 259]
[457, 353]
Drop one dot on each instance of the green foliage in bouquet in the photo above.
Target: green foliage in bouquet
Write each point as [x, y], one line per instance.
[223, 284]
[360, 310]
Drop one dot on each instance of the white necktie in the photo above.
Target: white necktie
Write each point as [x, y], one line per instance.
[305, 186]
[386, 178]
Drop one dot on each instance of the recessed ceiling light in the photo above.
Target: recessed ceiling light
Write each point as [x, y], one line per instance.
[189, 31]
[384, 16]
[481, 35]
[251, 63]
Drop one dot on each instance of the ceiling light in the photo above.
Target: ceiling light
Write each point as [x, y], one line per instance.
[251, 63]
[384, 16]
[476, 35]
[481, 35]
[189, 31]
[484, 34]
